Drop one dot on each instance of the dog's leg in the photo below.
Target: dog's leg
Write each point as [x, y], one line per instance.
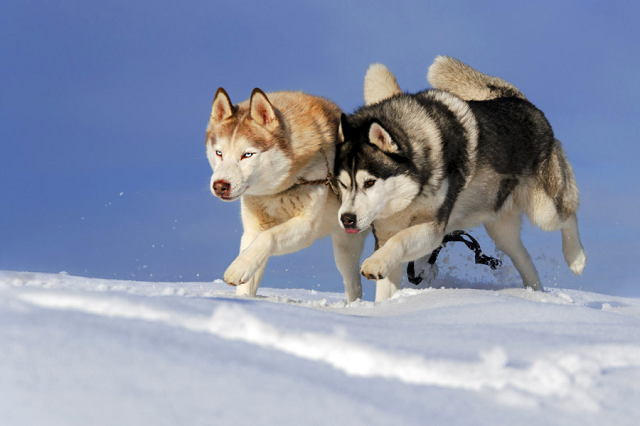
[386, 287]
[290, 236]
[572, 249]
[250, 288]
[347, 249]
[407, 245]
[505, 233]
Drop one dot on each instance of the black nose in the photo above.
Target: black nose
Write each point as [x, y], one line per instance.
[221, 188]
[348, 220]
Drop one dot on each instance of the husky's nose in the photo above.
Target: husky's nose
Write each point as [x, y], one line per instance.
[348, 220]
[221, 188]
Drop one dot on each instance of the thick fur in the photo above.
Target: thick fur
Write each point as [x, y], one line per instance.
[379, 84]
[416, 167]
[260, 150]
[453, 76]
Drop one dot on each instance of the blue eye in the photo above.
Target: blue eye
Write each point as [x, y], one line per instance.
[219, 153]
[247, 154]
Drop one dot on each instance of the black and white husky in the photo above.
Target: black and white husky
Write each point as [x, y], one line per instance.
[471, 151]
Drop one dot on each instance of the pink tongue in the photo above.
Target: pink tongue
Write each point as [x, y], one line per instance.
[352, 231]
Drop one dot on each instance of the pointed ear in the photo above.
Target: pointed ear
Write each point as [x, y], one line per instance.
[344, 129]
[379, 137]
[222, 107]
[262, 112]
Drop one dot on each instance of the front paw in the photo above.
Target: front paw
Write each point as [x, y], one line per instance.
[240, 271]
[375, 268]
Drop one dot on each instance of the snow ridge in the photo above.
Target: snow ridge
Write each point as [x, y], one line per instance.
[568, 375]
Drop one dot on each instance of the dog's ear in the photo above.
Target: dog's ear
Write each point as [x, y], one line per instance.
[344, 129]
[379, 137]
[379, 84]
[262, 112]
[222, 107]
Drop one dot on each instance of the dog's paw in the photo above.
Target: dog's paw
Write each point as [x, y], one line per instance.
[375, 268]
[240, 271]
[578, 262]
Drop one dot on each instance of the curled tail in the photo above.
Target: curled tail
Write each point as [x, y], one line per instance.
[379, 84]
[453, 76]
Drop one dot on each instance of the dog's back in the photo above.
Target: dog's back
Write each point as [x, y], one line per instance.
[496, 102]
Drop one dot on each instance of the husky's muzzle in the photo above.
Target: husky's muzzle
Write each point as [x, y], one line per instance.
[222, 189]
[349, 221]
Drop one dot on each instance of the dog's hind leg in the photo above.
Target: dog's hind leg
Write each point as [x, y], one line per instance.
[572, 249]
[347, 250]
[386, 287]
[554, 204]
[505, 232]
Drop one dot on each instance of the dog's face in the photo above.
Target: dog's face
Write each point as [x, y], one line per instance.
[373, 175]
[245, 147]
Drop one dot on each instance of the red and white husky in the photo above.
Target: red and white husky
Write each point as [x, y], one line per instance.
[275, 152]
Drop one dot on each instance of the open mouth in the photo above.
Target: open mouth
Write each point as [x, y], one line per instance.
[352, 230]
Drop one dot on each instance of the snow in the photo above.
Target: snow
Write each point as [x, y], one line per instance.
[79, 351]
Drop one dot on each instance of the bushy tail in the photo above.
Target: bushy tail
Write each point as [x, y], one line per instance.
[379, 84]
[453, 76]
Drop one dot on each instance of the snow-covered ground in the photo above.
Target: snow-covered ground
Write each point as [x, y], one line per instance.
[80, 351]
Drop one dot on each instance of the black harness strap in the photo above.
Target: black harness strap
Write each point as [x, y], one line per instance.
[481, 258]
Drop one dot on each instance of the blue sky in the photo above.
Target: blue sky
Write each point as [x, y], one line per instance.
[102, 165]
